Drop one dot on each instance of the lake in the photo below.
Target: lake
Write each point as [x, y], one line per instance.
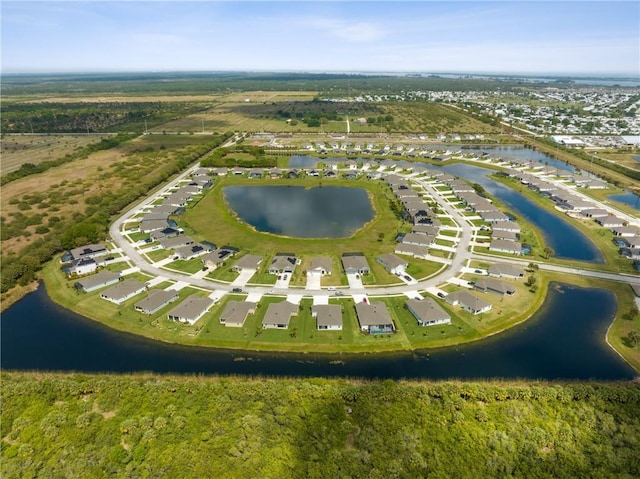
[627, 198]
[567, 241]
[564, 340]
[295, 211]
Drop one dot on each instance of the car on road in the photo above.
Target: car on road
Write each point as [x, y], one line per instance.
[237, 290]
[339, 293]
[331, 288]
[479, 271]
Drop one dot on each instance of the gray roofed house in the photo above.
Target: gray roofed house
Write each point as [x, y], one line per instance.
[494, 216]
[176, 242]
[506, 226]
[427, 312]
[494, 286]
[216, 258]
[153, 225]
[504, 235]
[320, 264]
[509, 270]
[595, 213]
[419, 239]
[355, 263]
[81, 266]
[374, 318]
[421, 228]
[328, 316]
[414, 250]
[99, 280]
[123, 291]
[278, 315]
[88, 251]
[248, 262]
[235, 313]
[283, 263]
[392, 263]
[193, 251]
[506, 246]
[156, 300]
[468, 301]
[190, 310]
[625, 231]
[610, 221]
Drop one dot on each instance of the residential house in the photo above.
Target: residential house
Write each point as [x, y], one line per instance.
[320, 265]
[506, 246]
[507, 270]
[427, 312]
[236, 312]
[216, 258]
[190, 310]
[328, 316]
[468, 302]
[193, 250]
[625, 231]
[418, 239]
[494, 286]
[124, 290]
[355, 263]
[81, 267]
[248, 262]
[156, 300]
[99, 280]
[610, 221]
[283, 263]
[279, 315]
[374, 318]
[392, 263]
[84, 252]
[412, 250]
[176, 242]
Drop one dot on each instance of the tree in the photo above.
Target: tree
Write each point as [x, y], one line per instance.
[531, 280]
[632, 338]
[548, 252]
[533, 267]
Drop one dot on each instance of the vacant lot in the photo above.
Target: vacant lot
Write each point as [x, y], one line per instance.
[18, 149]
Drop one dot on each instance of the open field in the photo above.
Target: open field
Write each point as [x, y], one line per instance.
[24, 148]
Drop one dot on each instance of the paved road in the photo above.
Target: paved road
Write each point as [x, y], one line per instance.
[458, 261]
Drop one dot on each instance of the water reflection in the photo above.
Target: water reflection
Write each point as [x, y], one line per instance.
[324, 212]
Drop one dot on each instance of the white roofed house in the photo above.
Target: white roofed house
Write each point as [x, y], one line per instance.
[392, 263]
[427, 312]
[236, 312]
[190, 310]
[328, 316]
[123, 291]
[81, 267]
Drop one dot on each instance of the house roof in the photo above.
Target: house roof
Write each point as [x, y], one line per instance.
[373, 314]
[236, 312]
[412, 249]
[249, 261]
[279, 313]
[505, 245]
[88, 250]
[390, 261]
[321, 262]
[418, 239]
[176, 242]
[500, 269]
[355, 261]
[467, 299]
[327, 314]
[427, 309]
[191, 308]
[494, 285]
[100, 278]
[155, 299]
[282, 261]
[124, 289]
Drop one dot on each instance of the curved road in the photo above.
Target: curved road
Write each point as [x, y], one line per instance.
[461, 257]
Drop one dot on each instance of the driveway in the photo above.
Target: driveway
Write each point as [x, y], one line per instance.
[244, 277]
[355, 282]
[313, 280]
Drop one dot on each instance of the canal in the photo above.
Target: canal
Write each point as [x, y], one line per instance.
[564, 340]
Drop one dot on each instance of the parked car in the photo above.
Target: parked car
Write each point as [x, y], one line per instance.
[440, 295]
[408, 278]
[237, 290]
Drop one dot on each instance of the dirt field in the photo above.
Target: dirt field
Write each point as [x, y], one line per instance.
[18, 149]
[123, 99]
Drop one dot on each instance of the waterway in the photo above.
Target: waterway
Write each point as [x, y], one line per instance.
[567, 241]
[628, 199]
[298, 212]
[564, 340]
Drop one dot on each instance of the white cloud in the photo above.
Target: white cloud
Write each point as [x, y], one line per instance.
[351, 31]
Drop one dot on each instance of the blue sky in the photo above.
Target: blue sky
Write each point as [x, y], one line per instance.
[574, 37]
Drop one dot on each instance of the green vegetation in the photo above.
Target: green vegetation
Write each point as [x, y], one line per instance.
[142, 426]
